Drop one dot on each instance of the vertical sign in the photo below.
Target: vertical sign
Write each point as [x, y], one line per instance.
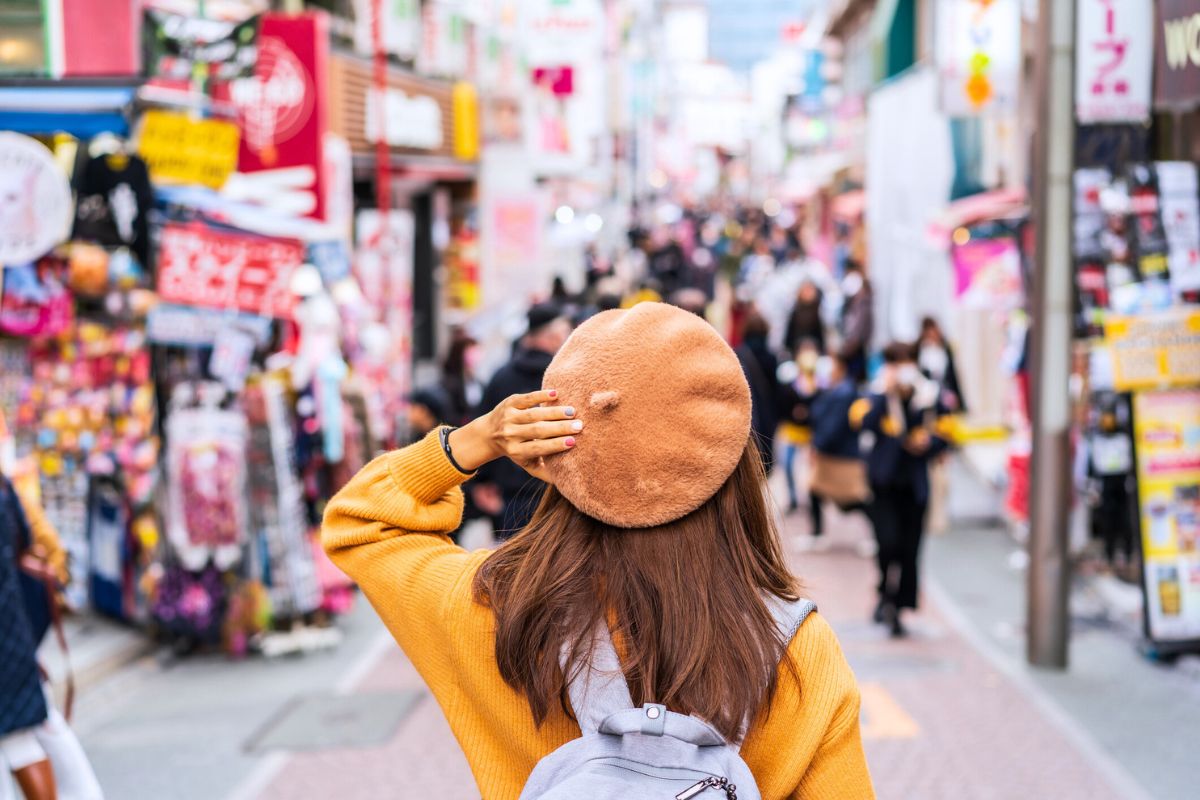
[1113, 56]
[1167, 429]
[283, 113]
[978, 55]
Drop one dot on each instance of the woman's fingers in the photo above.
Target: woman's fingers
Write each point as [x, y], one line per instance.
[541, 414]
[545, 430]
[532, 450]
[533, 399]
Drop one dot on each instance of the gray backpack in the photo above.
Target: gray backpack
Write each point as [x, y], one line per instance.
[648, 753]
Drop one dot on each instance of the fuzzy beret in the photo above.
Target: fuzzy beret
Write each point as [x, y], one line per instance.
[666, 411]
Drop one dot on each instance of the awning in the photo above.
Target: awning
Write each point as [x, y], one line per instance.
[82, 111]
[983, 207]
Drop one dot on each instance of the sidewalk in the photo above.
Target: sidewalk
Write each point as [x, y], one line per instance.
[939, 720]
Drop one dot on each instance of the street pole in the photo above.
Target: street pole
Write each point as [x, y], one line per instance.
[1048, 623]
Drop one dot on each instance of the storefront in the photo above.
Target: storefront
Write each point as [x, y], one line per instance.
[183, 343]
[431, 131]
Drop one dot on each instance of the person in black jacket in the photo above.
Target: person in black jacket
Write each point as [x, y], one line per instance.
[936, 359]
[22, 704]
[903, 417]
[760, 366]
[503, 489]
[805, 321]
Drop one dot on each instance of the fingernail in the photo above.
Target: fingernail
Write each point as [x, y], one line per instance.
[570, 441]
[569, 411]
[577, 426]
[554, 392]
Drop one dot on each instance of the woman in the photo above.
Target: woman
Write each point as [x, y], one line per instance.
[936, 360]
[654, 528]
[760, 367]
[458, 377]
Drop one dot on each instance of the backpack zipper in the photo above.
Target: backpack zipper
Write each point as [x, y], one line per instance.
[709, 783]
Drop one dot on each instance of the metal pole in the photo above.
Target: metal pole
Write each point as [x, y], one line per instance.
[1048, 625]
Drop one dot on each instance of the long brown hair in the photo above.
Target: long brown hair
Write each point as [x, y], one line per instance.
[685, 602]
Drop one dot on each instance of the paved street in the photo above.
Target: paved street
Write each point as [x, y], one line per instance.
[942, 718]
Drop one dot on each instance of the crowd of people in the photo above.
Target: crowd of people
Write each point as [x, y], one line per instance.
[846, 424]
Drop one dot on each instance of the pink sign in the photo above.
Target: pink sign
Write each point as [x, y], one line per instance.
[201, 266]
[1114, 50]
[987, 274]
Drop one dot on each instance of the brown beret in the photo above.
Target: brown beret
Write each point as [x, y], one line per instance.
[666, 410]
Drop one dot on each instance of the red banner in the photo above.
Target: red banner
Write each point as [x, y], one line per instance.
[283, 113]
[202, 266]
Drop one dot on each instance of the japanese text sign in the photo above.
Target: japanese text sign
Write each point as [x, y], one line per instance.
[1114, 50]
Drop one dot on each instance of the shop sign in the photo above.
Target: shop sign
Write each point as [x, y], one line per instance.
[282, 107]
[1167, 432]
[175, 47]
[188, 326]
[978, 55]
[417, 113]
[180, 149]
[444, 49]
[203, 266]
[1177, 43]
[401, 27]
[1114, 43]
[1156, 350]
[35, 200]
[466, 121]
[407, 121]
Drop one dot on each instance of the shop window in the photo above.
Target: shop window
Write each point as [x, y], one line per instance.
[22, 38]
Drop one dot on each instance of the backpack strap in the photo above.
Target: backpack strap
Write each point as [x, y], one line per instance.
[598, 689]
[789, 616]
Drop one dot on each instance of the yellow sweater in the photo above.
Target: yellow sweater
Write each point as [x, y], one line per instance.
[386, 530]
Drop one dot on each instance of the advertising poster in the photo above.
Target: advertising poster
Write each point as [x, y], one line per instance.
[1114, 52]
[1167, 432]
[207, 267]
[1151, 351]
[987, 274]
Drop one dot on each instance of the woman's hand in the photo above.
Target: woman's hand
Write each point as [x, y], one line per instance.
[523, 427]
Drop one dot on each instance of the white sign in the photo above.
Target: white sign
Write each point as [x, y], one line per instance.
[401, 31]
[35, 200]
[414, 121]
[978, 55]
[1114, 52]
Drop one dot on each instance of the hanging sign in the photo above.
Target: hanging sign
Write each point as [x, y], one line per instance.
[1114, 41]
[282, 108]
[203, 266]
[174, 46]
[35, 200]
[1167, 431]
[1177, 45]
[978, 55]
[180, 149]
[188, 326]
[1155, 350]
[401, 27]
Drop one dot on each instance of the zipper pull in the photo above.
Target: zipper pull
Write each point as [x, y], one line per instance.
[695, 789]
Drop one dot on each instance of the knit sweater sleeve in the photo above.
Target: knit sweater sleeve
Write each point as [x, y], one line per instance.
[387, 530]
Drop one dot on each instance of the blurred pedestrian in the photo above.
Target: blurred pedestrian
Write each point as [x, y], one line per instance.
[760, 366]
[654, 532]
[838, 473]
[427, 408]
[22, 704]
[797, 397]
[805, 321]
[503, 489]
[902, 415]
[936, 359]
[858, 320]
[459, 382]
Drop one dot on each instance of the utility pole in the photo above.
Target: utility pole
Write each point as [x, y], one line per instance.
[1048, 621]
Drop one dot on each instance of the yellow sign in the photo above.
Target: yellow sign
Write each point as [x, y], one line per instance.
[1156, 350]
[1167, 432]
[466, 121]
[178, 149]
